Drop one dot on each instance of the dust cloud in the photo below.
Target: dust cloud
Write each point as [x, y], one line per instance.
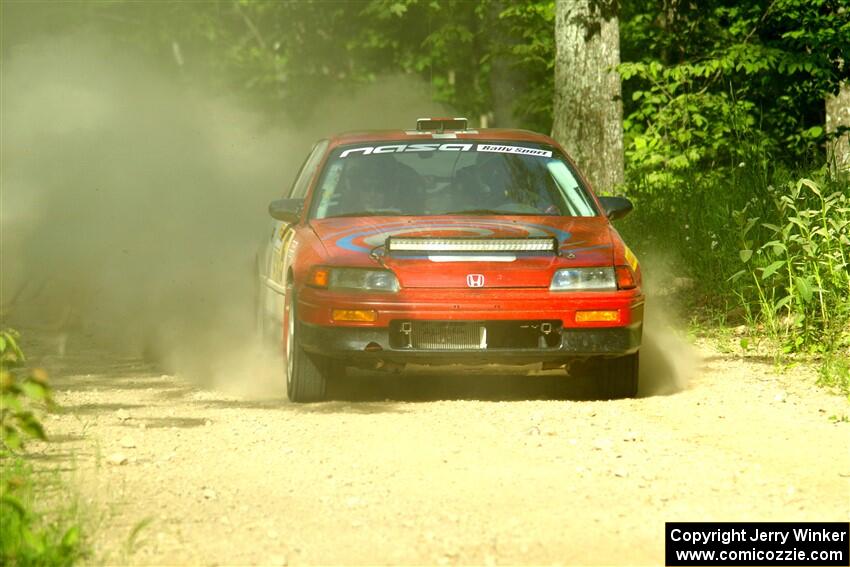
[667, 360]
[133, 204]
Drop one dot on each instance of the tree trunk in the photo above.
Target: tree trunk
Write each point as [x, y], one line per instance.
[669, 26]
[588, 110]
[838, 116]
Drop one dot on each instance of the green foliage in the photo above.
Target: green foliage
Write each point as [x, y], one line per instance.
[769, 62]
[724, 103]
[132, 543]
[796, 274]
[724, 78]
[718, 96]
[531, 45]
[445, 43]
[30, 537]
[22, 393]
[285, 57]
[835, 373]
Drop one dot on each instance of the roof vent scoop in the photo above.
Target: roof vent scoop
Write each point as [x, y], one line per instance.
[440, 125]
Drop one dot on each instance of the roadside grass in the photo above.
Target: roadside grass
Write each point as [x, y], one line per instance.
[835, 373]
[39, 523]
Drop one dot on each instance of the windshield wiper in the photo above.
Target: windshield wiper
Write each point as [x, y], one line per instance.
[373, 213]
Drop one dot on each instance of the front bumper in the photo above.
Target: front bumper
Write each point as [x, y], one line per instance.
[379, 340]
[315, 306]
[363, 344]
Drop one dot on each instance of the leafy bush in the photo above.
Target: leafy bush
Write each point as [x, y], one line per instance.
[797, 267]
[795, 281]
[28, 536]
[723, 101]
[692, 71]
[21, 392]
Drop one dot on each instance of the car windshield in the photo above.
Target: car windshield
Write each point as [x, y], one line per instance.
[454, 178]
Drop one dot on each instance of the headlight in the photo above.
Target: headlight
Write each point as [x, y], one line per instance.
[354, 279]
[371, 280]
[584, 279]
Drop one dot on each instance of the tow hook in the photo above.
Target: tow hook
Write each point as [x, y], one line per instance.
[407, 332]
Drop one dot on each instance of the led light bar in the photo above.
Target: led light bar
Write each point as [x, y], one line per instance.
[441, 124]
[395, 244]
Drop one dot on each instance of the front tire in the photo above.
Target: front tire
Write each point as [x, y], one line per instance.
[609, 378]
[617, 377]
[306, 374]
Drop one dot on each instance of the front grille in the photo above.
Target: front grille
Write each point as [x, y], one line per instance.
[474, 335]
[448, 336]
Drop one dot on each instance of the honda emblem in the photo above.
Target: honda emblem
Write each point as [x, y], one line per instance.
[475, 280]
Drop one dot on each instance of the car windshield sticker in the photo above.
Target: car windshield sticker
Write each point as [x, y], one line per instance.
[514, 150]
[452, 147]
[397, 148]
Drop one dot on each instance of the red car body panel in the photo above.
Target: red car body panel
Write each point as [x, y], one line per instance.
[436, 290]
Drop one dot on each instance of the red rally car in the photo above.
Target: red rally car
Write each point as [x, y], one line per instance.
[442, 245]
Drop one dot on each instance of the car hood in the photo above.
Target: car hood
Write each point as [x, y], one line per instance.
[582, 241]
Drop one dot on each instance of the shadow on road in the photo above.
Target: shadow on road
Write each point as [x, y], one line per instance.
[436, 385]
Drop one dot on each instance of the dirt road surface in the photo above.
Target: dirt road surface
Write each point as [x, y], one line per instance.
[436, 468]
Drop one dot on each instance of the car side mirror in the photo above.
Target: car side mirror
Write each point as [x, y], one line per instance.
[286, 210]
[616, 207]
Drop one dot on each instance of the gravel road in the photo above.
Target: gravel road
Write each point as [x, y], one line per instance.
[434, 468]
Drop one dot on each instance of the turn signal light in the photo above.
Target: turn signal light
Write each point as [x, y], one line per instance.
[361, 315]
[319, 277]
[625, 278]
[597, 316]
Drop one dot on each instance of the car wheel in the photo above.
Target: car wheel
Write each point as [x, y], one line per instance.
[607, 378]
[617, 377]
[337, 369]
[306, 374]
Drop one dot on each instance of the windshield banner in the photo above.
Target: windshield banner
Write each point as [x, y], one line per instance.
[451, 147]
